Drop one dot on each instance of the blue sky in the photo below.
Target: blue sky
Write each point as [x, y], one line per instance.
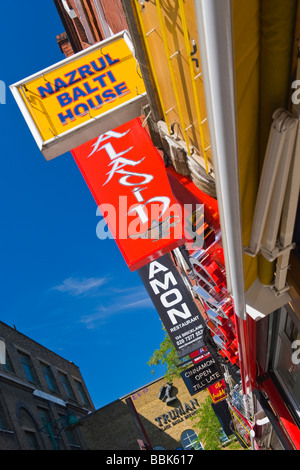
[60, 284]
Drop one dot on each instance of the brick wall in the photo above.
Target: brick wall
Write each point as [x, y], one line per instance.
[64, 44]
[112, 427]
[22, 400]
[114, 15]
[88, 19]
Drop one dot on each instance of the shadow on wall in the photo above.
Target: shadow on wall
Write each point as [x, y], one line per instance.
[112, 428]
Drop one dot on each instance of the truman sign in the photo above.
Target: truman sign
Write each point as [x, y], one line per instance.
[82, 96]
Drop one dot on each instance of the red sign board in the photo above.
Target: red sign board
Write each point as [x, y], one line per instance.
[199, 355]
[217, 391]
[127, 177]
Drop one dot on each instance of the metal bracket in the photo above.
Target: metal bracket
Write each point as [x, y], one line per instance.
[276, 252]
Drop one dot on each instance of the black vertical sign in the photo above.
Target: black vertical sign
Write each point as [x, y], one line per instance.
[174, 304]
[202, 375]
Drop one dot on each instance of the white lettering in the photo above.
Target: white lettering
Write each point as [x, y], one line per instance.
[102, 138]
[185, 314]
[295, 95]
[296, 354]
[156, 267]
[169, 303]
[169, 277]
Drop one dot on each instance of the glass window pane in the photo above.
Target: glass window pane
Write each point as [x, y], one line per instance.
[32, 440]
[289, 371]
[189, 440]
[2, 421]
[67, 386]
[48, 374]
[8, 364]
[28, 368]
[82, 393]
[286, 358]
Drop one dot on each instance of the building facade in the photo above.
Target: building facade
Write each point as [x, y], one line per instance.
[87, 22]
[227, 120]
[166, 424]
[41, 396]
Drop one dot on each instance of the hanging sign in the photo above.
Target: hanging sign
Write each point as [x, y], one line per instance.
[201, 376]
[127, 177]
[174, 304]
[82, 96]
[217, 391]
[199, 355]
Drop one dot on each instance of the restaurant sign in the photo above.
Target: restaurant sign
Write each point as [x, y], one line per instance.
[217, 391]
[82, 96]
[174, 304]
[126, 175]
[201, 376]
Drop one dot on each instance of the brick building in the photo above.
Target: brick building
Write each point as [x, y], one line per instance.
[87, 22]
[41, 395]
[166, 425]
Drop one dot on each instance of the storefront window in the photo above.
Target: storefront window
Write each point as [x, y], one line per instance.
[286, 359]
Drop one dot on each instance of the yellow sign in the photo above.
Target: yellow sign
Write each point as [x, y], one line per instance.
[67, 99]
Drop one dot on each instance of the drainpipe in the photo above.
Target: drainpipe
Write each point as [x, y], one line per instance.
[214, 24]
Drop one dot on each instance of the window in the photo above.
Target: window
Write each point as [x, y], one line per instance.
[67, 386]
[8, 364]
[72, 438]
[48, 374]
[29, 425]
[82, 393]
[286, 356]
[48, 429]
[189, 440]
[28, 368]
[45, 416]
[32, 440]
[2, 421]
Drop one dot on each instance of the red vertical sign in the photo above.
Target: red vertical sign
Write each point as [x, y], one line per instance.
[127, 177]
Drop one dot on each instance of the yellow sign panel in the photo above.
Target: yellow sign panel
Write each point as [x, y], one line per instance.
[61, 100]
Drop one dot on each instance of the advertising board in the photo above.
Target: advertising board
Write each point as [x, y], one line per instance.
[201, 376]
[126, 175]
[82, 96]
[174, 304]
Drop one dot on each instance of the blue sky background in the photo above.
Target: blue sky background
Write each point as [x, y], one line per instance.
[60, 284]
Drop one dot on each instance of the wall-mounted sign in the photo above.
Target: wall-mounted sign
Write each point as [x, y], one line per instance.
[127, 177]
[174, 304]
[177, 415]
[82, 96]
[201, 376]
[217, 391]
[167, 393]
